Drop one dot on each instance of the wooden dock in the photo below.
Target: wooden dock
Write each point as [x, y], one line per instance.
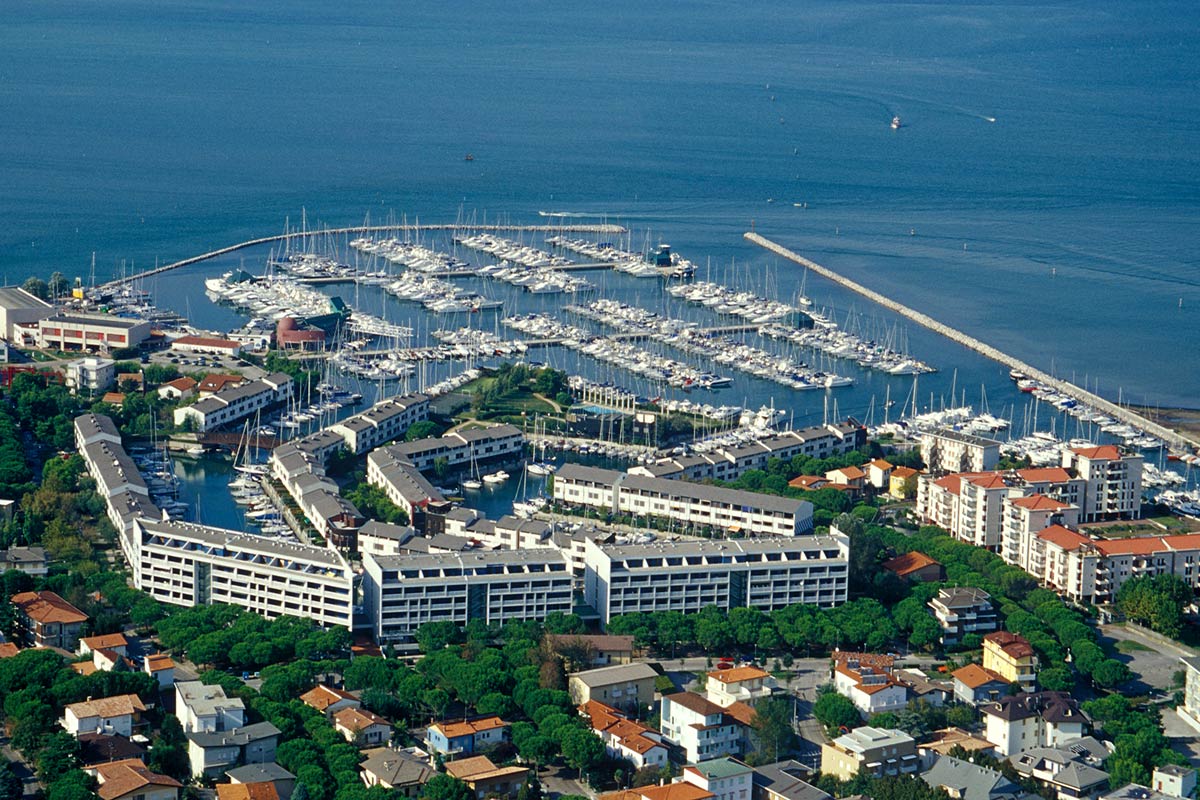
[362, 229]
[1173, 438]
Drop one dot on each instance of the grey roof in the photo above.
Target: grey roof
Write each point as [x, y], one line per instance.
[785, 778]
[330, 504]
[386, 530]
[1135, 791]
[543, 559]
[620, 673]
[208, 405]
[90, 425]
[485, 434]
[238, 736]
[23, 555]
[969, 781]
[205, 699]
[258, 773]
[1174, 770]
[726, 550]
[1056, 707]
[961, 596]
[95, 319]
[409, 482]
[1080, 776]
[114, 465]
[511, 523]
[232, 394]
[396, 768]
[959, 436]
[14, 297]
[235, 544]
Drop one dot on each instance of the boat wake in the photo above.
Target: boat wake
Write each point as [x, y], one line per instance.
[572, 214]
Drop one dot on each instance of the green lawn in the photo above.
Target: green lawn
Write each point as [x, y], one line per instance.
[1129, 646]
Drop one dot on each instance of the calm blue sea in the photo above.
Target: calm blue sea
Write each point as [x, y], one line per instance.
[1063, 232]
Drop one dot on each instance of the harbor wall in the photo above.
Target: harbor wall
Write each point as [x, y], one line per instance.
[1174, 439]
[282, 237]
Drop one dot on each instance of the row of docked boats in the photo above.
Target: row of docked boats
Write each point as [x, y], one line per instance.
[260, 511]
[729, 302]
[662, 263]
[534, 270]
[438, 296]
[826, 337]
[639, 361]
[324, 269]
[724, 350]
[1129, 434]
[412, 255]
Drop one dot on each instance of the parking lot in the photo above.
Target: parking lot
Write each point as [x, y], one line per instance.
[1154, 665]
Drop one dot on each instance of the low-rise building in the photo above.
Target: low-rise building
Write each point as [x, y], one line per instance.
[103, 748]
[974, 684]
[467, 737]
[603, 649]
[90, 376]
[179, 389]
[403, 483]
[264, 772]
[205, 708]
[486, 779]
[921, 687]
[108, 641]
[131, 779]
[162, 667]
[948, 740]
[214, 753]
[46, 620]
[968, 781]
[463, 447]
[395, 769]
[726, 778]
[234, 404]
[1011, 657]
[1174, 779]
[328, 700]
[1035, 719]
[625, 738]
[626, 687]
[902, 484]
[700, 727]
[95, 333]
[866, 680]
[117, 715]
[247, 791]
[916, 566]
[362, 728]
[961, 611]
[785, 780]
[1071, 770]
[381, 423]
[207, 346]
[880, 752]
[739, 685]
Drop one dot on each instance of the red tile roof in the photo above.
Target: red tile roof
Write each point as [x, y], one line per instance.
[975, 676]
[879, 463]
[47, 607]
[1065, 538]
[1013, 645]
[737, 674]
[1039, 502]
[1045, 475]
[183, 384]
[986, 480]
[904, 472]
[1106, 452]
[909, 563]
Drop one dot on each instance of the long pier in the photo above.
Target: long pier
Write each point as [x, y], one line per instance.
[359, 229]
[1173, 438]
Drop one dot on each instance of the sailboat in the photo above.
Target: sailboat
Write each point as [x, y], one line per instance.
[472, 483]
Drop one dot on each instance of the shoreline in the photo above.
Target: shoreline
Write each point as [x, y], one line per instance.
[1184, 420]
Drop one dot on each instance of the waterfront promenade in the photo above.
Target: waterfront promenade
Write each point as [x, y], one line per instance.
[1174, 439]
[361, 229]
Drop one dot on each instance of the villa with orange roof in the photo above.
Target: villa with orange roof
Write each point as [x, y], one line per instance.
[465, 737]
[701, 727]
[902, 484]
[916, 566]
[879, 474]
[109, 641]
[866, 680]
[973, 684]
[739, 685]
[485, 778]
[680, 790]
[46, 620]
[362, 728]
[847, 476]
[132, 780]
[625, 738]
[1011, 657]
[328, 700]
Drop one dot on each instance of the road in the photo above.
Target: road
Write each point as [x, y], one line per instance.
[22, 770]
[562, 781]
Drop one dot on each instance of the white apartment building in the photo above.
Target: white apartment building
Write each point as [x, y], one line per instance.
[945, 451]
[382, 422]
[1037, 719]
[881, 752]
[463, 447]
[403, 483]
[205, 708]
[739, 685]
[866, 680]
[91, 375]
[963, 610]
[403, 592]
[700, 727]
[684, 502]
[1026, 517]
[686, 576]
[1114, 482]
[235, 403]
[726, 778]
[187, 564]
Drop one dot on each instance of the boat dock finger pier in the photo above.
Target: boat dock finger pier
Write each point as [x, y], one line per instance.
[1174, 439]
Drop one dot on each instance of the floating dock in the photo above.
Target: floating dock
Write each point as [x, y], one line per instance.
[1173, 438]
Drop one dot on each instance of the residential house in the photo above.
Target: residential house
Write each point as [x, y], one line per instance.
[265, 772]
[101, 748]
[178, 389]
[881, 752]
[784, 780]
[853, 477]
[739, 685]
[920, 686]
[486, 779]
[1011, 657]
[264, 790]
[162, 667]
[109, 641]
[625, 738]
[627, 687]
[1033, 719]
[866, 679]
[916, 566]
[112, 715]
[467, 737]
[942, 742]
[604, 649]
[30, 560]
[395, 769]
[212, 753]
[700, 727]
[205, 708]
[46, 620]
[962, 611]
[1135, 791]
[133, 780]
[879, 474]
[1174, 780]
[362, 728]
[967, 781]
[902, 484]
[974, 684]
[726, 778]
[1071, 769]
[808, 482]
[328, 700]
[679, 790]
